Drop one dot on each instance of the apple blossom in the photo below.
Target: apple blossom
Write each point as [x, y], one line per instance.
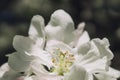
[59, 52]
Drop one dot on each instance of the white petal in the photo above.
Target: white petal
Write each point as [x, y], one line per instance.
[89, 76]
[96, 47]
[60, 27]
[76, 73]
[42, 59]
[38, 68]
[103, 47]
[3, 69]
[77, 33]
[25, 61]
[25, 45]
[91, 58]
[80, 28]
[22, 44]
[28, 78]
[54, 44]
[37, 27]
[36, 31]
[91, 61]
[48, 77]
[102, 75]
[99, 64]
[62, 18]
[6, 73]
[27, 52]
[11, 75]
[42, 73]
[83, 49]
[114, 73]
[84, 38]
[16, 62]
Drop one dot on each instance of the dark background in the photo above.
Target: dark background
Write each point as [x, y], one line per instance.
[102, 19]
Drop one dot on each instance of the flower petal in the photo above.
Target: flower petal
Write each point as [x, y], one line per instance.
[42, 72]
[91, 61]
[103, 47]
[113, 72]
[79, 29]
[102, 75]
[37, 27]
[22, 44]
[3, 69]
[25, 45]
[36, 31]
[16, 62]
[51, 45]
[96, 47]
[84, 38]
[11, 75]
[98, 64]
[76, 73]
[83, 49]
[28, 78]
[49, 77]
[77, 34]
[38, 68]
[60, 27]
[43, 58]
[91, 58]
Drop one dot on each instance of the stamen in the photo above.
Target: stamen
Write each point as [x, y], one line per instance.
[62, 62]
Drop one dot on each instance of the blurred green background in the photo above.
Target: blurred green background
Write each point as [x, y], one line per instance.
[102, 19]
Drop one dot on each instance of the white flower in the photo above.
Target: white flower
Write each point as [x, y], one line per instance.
[59, 52]
[6, 73]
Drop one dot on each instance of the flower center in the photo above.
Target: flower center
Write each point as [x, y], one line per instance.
[62, 61]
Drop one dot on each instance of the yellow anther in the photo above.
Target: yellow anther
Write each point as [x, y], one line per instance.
[53, 60]
[62, 61]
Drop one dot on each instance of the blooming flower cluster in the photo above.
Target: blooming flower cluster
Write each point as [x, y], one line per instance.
[58, 52]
